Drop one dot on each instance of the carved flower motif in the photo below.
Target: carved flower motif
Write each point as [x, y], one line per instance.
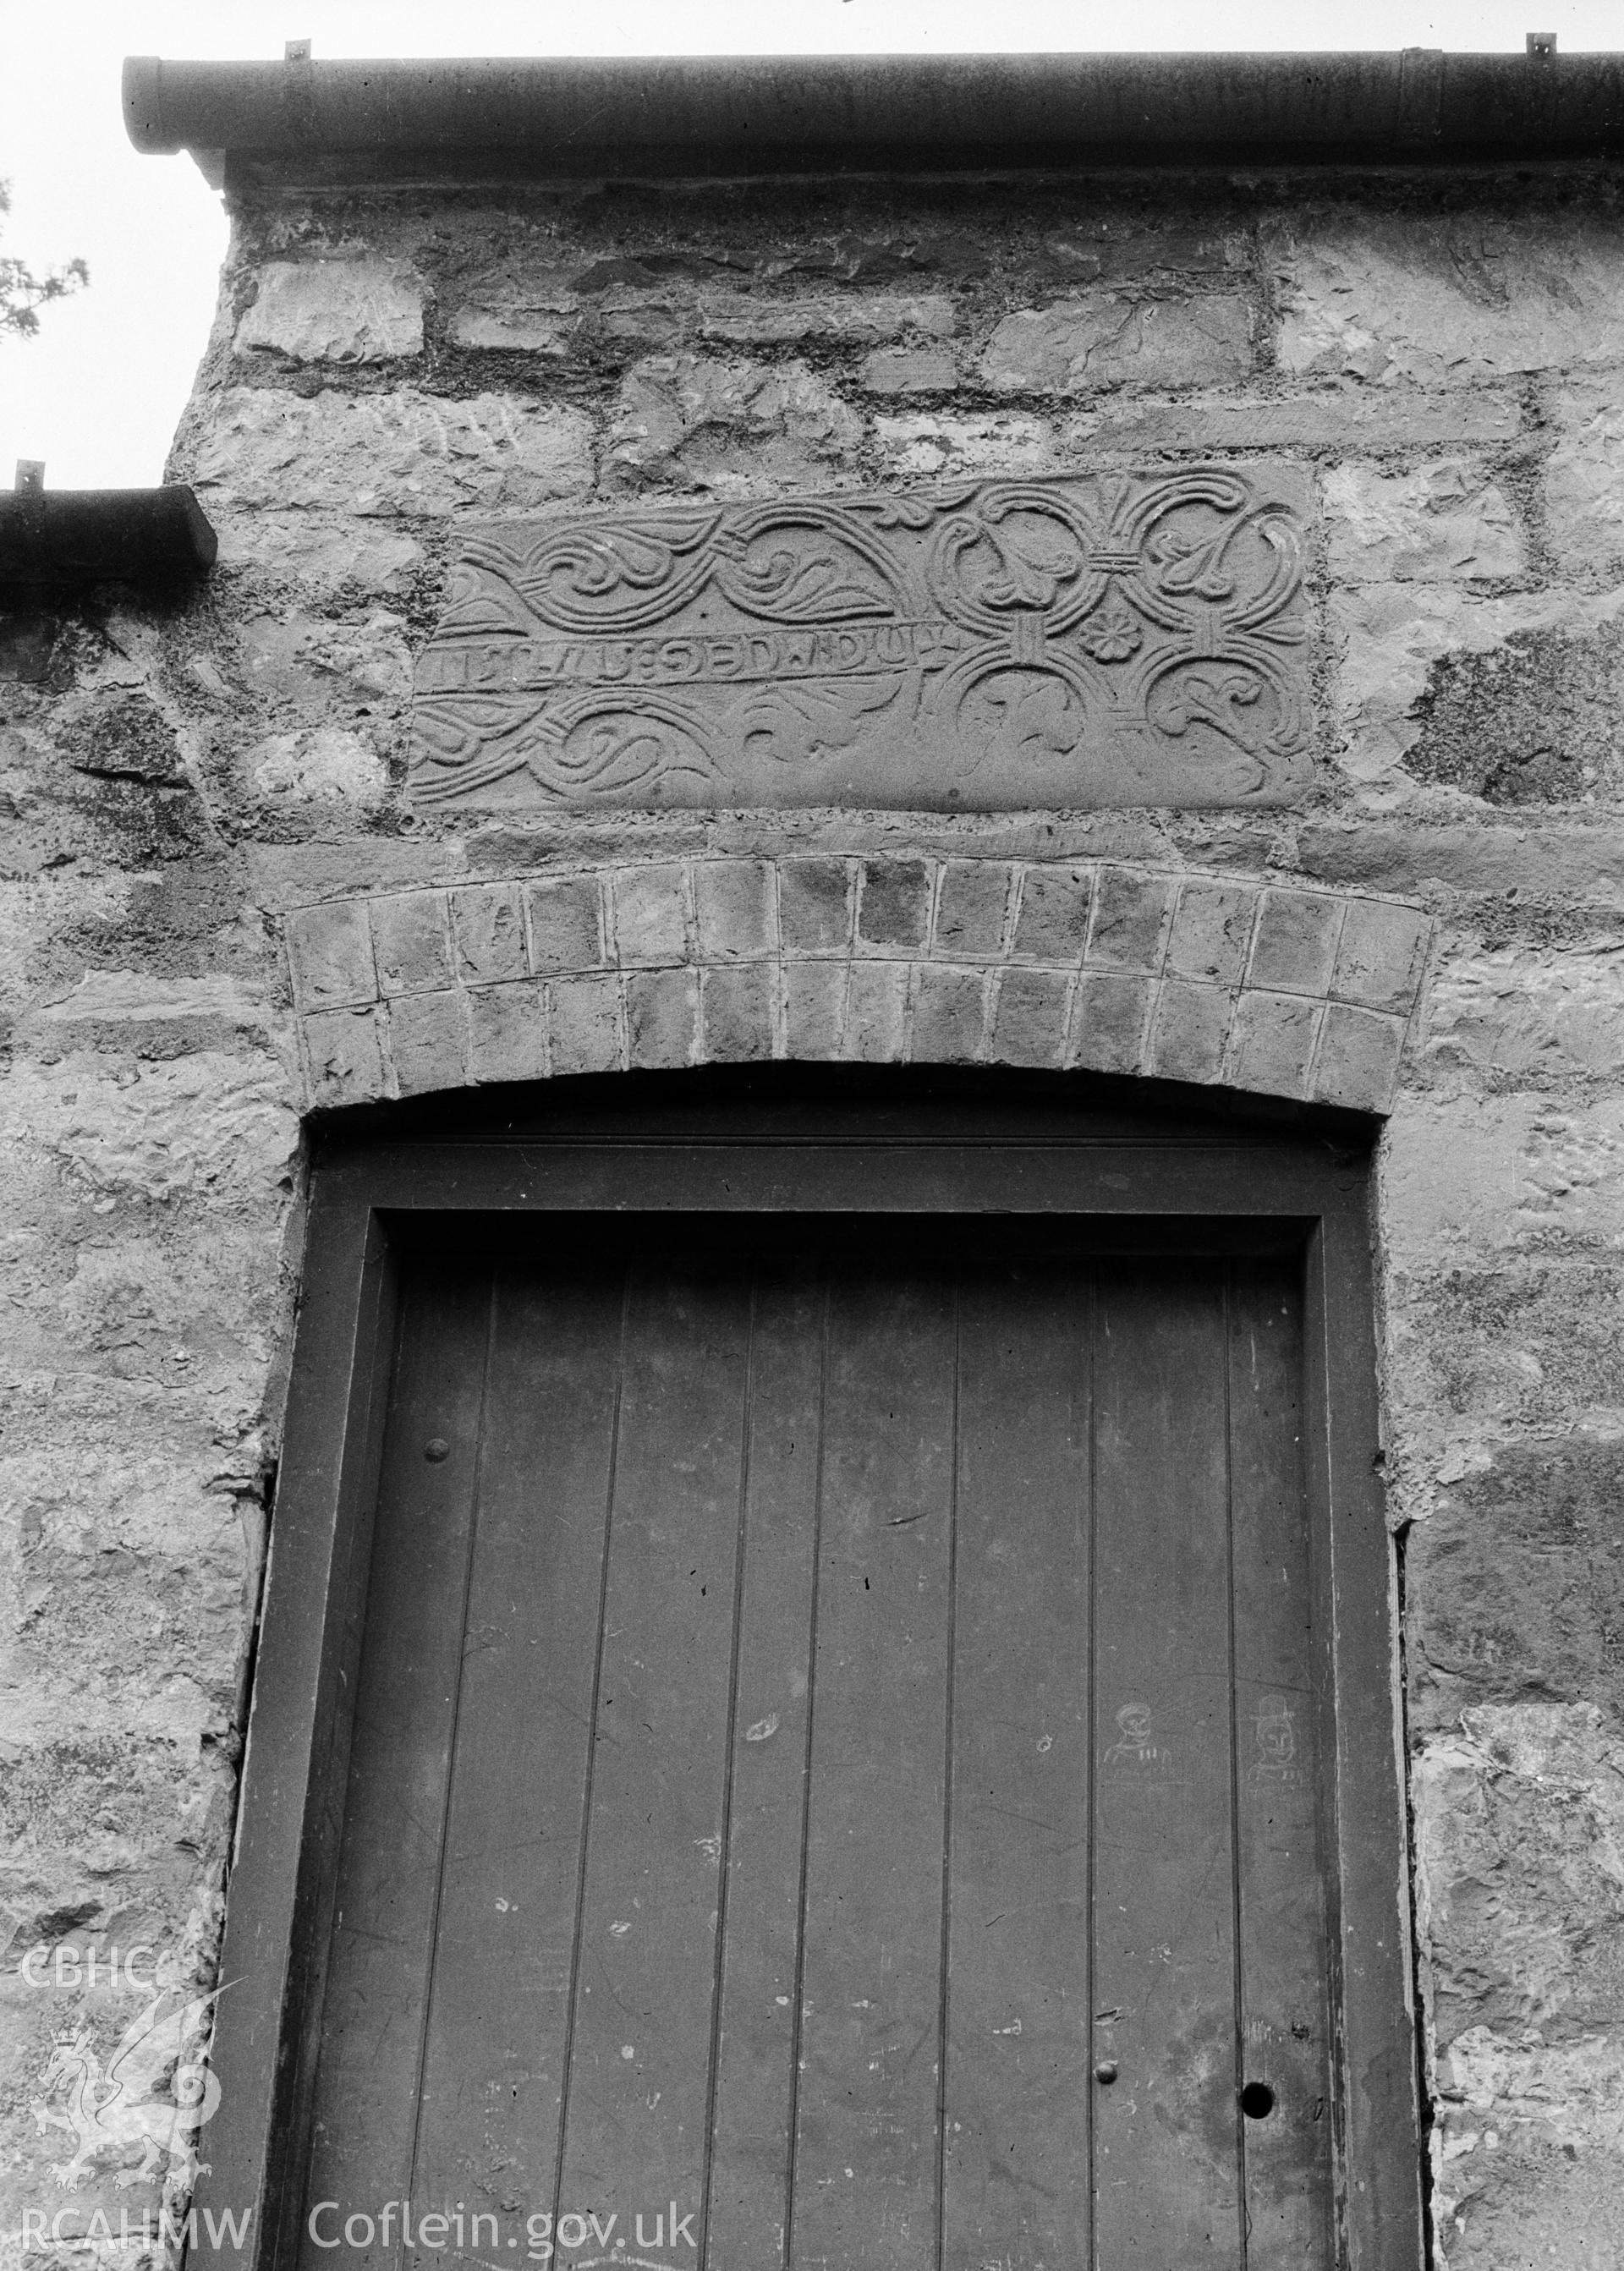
[1113, 634]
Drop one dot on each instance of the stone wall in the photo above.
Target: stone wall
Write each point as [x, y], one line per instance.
[198, 789]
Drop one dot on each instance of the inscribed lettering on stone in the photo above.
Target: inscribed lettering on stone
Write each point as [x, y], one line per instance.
[1101, 640]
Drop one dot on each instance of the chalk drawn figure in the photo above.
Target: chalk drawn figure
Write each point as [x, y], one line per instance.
[1140, 1780]
[1136, 1756]
[111, 2110]
[1275, 1767]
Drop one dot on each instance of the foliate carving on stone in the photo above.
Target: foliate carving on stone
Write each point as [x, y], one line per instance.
[1101, 640]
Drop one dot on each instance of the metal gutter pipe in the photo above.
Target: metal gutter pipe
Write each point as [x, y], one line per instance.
[754, 115]
[65, 537]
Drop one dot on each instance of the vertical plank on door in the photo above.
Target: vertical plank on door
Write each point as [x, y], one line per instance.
[487, 2135]
[867, 2143]
[1166, 2130]
[747, 2213]
[1016, 2186]
[1284, 2009]
[638, 2082]
[389, 1872]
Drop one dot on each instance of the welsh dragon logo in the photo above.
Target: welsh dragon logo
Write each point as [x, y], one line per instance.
[156, 2091]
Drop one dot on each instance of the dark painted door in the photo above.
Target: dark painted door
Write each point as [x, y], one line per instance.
[833, 1779]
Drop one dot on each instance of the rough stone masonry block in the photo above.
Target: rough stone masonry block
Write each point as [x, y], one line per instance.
[398, 452]
[585, 1025]
[488, 922]
[1108, 339]
[1445, 522]
[736, 1012]
[1055, 904]
[1108, 1020]
[565, 929]
[330, 950]
[1517, 1586]
[1517, 1017]
[650, 914]
[1295, 948]
[429, 1041]
[732, 901]
[507, 1031]
[412, 943]
[1373, 296]
[1211, 931]
[877, 1006]
[1008, 442]
[971, 907]
[1132, 914]
[1188, 1031]
[894, 908]
[1272, 1044]
[1585, 479]
[1348, 419]
[1357, 1060]
[815, 906]
[345, 1054]
[751, 320]
[1029, 1017]
[1379, 960]
[910, 370]
[662, 1019]
[724, 423]
[508, 330]
[814, 1003]
[949, 1010]
[328, 559]
[342, 311]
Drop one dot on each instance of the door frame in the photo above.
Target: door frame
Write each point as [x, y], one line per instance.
[1122, 1182]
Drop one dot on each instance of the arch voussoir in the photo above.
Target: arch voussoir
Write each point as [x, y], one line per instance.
[1104, 965]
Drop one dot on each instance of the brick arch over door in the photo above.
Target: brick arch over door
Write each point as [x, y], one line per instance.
[1115, 967]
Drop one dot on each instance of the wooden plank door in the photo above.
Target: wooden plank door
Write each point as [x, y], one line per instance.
[833, 1780]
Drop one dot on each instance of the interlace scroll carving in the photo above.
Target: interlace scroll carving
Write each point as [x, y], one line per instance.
[1071, 642]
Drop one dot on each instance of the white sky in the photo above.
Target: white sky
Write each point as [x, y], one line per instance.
[98, 393]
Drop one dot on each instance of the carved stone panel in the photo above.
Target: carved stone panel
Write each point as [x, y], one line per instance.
[1101, 640]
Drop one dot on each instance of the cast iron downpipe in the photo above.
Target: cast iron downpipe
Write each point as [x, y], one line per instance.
[878, 114]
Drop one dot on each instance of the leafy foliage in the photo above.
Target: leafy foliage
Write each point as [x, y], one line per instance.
[23, 294]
